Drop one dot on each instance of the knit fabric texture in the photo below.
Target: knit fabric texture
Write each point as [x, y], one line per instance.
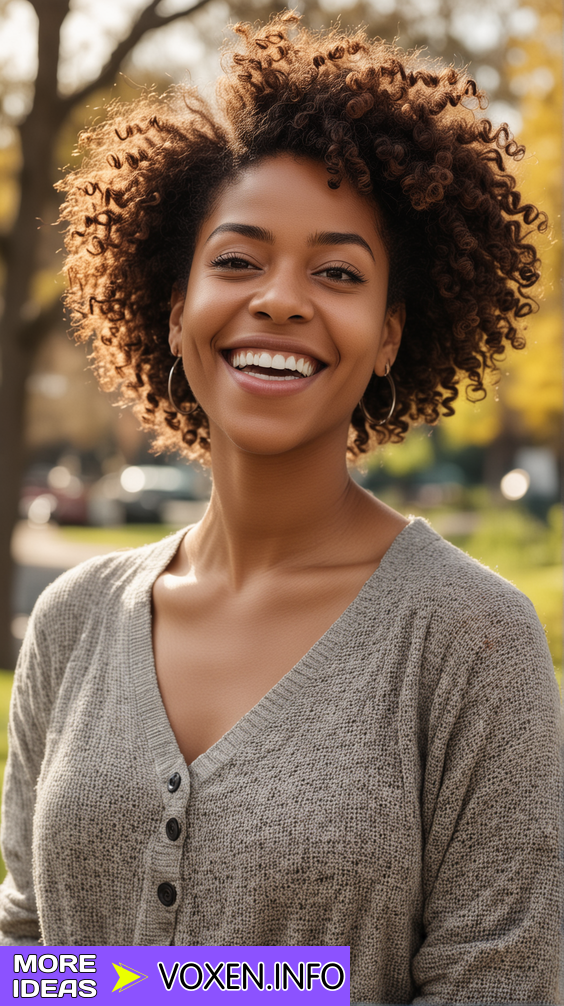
[397, 791]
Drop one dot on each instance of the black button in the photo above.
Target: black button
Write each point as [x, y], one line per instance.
[172, 829]
[166, 894]
[174, 782]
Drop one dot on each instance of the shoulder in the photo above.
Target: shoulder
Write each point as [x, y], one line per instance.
[82, 609]
[464, 613]
[85, 592]
[467, 642]
[434, 573]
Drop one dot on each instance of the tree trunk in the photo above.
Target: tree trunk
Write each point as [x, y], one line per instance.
[15, 367]
[20, 332]
[19, 338]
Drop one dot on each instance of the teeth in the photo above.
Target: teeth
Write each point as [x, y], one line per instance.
[277, 362]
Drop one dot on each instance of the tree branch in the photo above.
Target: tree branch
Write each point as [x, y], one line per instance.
[32, 332]
[148, 20]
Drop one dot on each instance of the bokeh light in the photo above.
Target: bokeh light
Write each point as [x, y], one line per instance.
[132, 479]
[515, 484]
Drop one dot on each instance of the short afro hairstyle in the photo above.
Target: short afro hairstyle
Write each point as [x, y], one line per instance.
[398, 126]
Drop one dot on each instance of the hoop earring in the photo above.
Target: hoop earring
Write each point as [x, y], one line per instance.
[381, 422]
[184, 412]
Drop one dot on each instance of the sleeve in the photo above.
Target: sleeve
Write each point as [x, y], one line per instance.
[27, 729]
[492, 817]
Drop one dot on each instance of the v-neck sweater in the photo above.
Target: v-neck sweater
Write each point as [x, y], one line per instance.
[397, 791]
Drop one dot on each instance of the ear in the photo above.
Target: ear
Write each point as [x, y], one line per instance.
[391, 337]
[177, 299]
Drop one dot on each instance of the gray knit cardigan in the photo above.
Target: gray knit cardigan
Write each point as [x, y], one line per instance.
[396, 792]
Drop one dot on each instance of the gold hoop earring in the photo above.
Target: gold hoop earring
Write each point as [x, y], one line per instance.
[184, 412]
[381, 422]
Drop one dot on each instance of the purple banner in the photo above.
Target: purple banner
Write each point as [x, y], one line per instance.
[176, 974]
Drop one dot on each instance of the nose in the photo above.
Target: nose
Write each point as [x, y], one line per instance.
[280, 297]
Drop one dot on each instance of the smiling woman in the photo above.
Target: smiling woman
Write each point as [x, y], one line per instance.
[306, 720]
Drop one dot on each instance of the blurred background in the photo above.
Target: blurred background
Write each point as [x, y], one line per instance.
[76, 473]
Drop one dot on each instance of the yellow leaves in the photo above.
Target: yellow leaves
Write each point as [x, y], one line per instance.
[47, 284]
[475, 423]
[9, 189]
[533, 390]
[530, 388]
[414, 454]
[534, 386]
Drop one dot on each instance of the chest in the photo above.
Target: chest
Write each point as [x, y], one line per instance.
[298, 821]
[216, 656]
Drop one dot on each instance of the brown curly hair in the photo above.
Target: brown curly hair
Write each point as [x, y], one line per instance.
[395, 125]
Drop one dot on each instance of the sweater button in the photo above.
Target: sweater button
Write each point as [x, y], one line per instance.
[174, 782]
[166, 894]
[172, 829]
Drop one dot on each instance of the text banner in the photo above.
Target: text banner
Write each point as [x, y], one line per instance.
[176, 974]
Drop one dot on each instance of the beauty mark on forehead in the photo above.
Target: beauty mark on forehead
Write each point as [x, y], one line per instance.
[319, 238]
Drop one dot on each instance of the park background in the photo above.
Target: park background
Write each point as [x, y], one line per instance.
[76, 470]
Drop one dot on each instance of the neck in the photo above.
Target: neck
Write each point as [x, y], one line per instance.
[294, 509]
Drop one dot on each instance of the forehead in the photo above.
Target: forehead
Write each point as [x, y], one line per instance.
[284, 190]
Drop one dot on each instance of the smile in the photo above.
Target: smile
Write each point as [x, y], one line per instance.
[268, 366]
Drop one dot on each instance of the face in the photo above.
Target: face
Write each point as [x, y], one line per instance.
[284, 318]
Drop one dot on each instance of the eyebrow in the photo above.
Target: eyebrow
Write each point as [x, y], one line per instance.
[320, 238]
[339, 238]
[247, 230]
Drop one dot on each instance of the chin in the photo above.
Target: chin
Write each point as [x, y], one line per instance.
[266, 446]
[260, 438]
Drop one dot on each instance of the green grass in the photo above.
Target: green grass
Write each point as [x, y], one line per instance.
[123, 536]
[517, 546]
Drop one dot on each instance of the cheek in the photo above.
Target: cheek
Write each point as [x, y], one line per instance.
[194, 307]
[197, 321]
[208, 309]
[359, 329]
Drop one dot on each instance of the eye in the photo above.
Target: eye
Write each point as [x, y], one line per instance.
[341, 273]
[232, 262]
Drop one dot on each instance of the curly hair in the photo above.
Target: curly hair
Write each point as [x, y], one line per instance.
[395, 125]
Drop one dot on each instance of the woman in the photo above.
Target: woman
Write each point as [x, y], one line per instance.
[306, 720]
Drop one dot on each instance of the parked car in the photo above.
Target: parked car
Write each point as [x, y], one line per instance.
[53, 493]
[148, 494]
